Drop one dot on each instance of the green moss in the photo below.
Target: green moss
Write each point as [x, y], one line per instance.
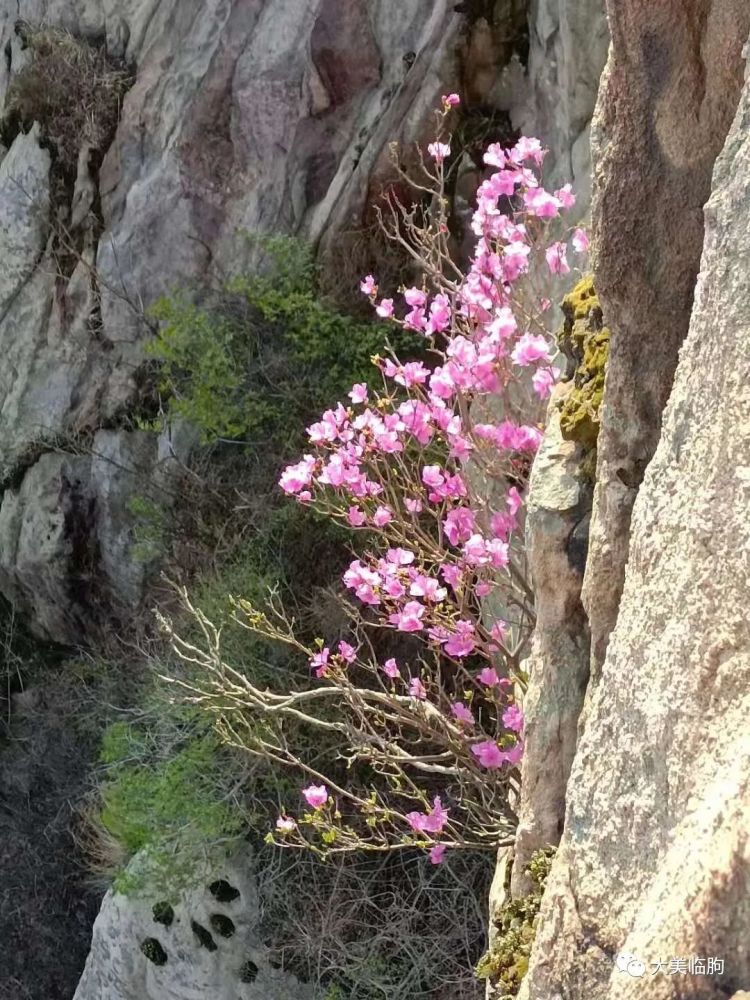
[168, 805]
[584, 340]
[507, 962]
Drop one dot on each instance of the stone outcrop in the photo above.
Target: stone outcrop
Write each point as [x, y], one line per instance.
[567, 51]
[557, 516]
[242, 115]
[654, 861]
[207, 945]
[668, 96]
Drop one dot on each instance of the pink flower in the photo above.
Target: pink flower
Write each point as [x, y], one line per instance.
[428, 588]
[285, 825]
[557, 259]
[390, 668]
[439, 151]
[580, 241]
[417, 689]
[483, 588]
[432, 476]
[316, 795]
[529, 348]
[488, 677]
[528, 148]
[356, 517]
[451, 100]
[437, 817]
[565, 196]
[440, 314]
[409, 619]
[432, 822]
[543, 379]
[399, 557]
[319, 662]
[385, 309]
[514, 755]
[368, 286]
[382, 516]
[413, 506]
[416, 821]
[437, 854]
[452, 574]
[541, 203]
[495, 156]
[415, 297]
[295, 477]
[358, 393]
[462, 641]
[347, 652]
[513, 718]
[458, 525]
[462, 713]
[488, 754]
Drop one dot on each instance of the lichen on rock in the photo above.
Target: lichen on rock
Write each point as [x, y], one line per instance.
[507, 961]
[584, 340]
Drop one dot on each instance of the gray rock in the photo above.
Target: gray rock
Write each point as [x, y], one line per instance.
[661, 121]
[558, 665]
[190, 959]
[654, 861]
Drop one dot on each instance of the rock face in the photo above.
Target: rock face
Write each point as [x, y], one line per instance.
[558, 666]
[567, 51]
[668, 96]
[654, 861]
[241, 115]
[206, 946]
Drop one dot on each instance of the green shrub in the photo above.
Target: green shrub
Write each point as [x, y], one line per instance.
[259, 360]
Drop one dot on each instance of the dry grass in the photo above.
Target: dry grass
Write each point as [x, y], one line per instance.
[73, 89]
[355, 253]
[386, 928]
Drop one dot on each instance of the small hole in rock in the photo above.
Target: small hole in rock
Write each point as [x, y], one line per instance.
[248, 972]
[154, 951]
[223, 891]
[203, 936]
[163, 914]
[222, 925]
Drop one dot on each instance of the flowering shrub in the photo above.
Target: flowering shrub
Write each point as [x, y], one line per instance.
[429, 465]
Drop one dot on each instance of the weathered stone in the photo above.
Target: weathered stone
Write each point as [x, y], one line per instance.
[243, 116]
[558, 666]
[654, 861]
[209, 948]
[668, 96]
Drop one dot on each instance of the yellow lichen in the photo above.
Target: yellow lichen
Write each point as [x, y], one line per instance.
[584, 340]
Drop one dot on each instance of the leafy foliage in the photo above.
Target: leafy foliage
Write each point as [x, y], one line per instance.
[256, 361]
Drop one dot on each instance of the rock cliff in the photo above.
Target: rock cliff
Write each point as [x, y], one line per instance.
[229, 115]
[238, 115]
[653, 863]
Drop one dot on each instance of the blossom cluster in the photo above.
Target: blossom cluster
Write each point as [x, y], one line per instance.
[400, 459]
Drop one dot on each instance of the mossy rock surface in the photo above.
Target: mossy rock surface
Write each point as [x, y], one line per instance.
[584, 340]
[507, 962]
